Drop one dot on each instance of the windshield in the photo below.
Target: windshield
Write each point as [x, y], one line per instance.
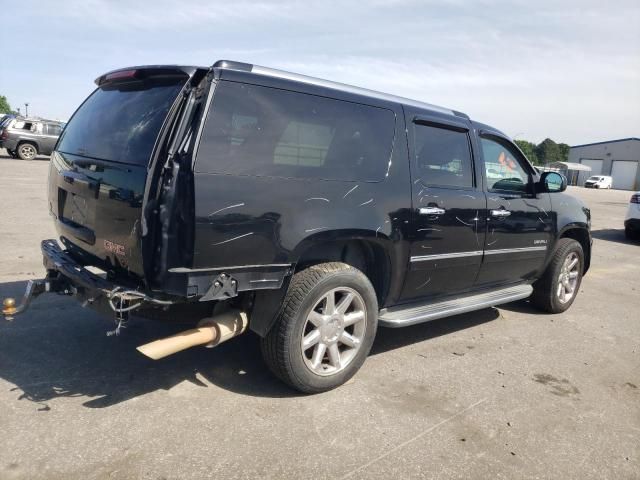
[595, 179]
[120, 124]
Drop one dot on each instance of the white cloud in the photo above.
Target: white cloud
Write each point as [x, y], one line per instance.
[568, 70]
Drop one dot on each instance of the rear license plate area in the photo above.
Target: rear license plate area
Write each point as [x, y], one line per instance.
[76, 209]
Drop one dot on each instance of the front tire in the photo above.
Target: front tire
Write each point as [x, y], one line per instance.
[326, 328]
[556, 290]
[27, 151]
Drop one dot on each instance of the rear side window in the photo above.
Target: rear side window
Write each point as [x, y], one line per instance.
[443, 157]
[262, 131]
[120, 123]
[53, 129]
[22, 125]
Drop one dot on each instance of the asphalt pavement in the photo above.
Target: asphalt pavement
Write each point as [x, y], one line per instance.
[504, 392]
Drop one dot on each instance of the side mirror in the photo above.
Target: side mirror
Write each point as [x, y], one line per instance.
[552, 182]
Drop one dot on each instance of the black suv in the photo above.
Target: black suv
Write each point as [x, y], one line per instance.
[307, 211]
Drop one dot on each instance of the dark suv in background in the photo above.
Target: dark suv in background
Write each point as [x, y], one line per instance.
[28, 137]
[241, 197]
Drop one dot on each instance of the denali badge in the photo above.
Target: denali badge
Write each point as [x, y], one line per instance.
[538, 242]
[114, 248]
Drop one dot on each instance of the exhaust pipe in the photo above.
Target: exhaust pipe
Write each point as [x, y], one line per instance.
[210, 332]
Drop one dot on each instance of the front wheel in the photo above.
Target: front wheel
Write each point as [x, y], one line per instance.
[325, 330]
[556, 290]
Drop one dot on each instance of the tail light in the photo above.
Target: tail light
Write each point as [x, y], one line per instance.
[3, 133]
[635, 198]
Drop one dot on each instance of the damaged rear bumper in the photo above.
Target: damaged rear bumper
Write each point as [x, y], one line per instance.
[67, 277]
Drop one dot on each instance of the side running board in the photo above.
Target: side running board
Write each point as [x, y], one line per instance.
[405, 315]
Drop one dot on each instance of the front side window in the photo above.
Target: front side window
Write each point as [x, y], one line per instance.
[504, 172]
[263, 131]
[442, 156]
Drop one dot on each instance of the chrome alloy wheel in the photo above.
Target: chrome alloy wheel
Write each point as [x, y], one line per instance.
[568, 278]
[28, 151]
[333, 331]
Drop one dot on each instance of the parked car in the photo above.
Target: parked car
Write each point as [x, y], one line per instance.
[598, 181]
[5, 120]
[632, 219]
[310, 212]
[26, 138]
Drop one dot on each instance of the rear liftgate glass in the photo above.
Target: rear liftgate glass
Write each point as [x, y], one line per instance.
[99, 170]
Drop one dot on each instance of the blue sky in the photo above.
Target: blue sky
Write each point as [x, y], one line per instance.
[569, 70]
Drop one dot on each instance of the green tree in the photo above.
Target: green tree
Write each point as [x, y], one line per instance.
[4, 105]
[548, 151]
[529, 150]
[564, 151]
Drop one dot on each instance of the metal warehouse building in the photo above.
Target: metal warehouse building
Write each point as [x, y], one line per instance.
[619, 159]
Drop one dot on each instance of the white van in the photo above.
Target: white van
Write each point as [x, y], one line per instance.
[598, 181]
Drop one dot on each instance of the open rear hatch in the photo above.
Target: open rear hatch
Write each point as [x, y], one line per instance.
[99, 169]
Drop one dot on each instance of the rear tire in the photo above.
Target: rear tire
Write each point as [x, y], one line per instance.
[27, 151]
[558, 287]
[326, 328]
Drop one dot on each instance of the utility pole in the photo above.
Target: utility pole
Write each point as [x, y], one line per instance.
[26, 109]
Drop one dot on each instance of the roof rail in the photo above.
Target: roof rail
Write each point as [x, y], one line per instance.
[296, 77]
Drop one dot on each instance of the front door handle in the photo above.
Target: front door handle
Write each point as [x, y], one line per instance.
[431, 211]
[500, 213]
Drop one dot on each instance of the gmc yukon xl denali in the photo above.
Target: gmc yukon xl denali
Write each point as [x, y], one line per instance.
[239, 197]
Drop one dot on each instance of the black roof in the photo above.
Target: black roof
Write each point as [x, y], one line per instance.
[319, 82]
[239, 69]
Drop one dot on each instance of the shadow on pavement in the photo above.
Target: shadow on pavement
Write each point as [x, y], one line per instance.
[392, 338]
[58, 349]
[613, 235]
[521, 306]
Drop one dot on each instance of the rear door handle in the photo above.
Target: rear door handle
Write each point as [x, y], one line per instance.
[500, 213]
[431, 211]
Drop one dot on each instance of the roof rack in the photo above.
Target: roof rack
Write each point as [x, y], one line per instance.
[343, 87]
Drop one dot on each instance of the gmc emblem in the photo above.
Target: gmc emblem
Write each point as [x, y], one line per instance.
[114, 248]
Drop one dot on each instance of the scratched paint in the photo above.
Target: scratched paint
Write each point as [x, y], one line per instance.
[322, 199]
[233, 239]
[350, 191]
[227, 208]
[366, 203]
[424, 284]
